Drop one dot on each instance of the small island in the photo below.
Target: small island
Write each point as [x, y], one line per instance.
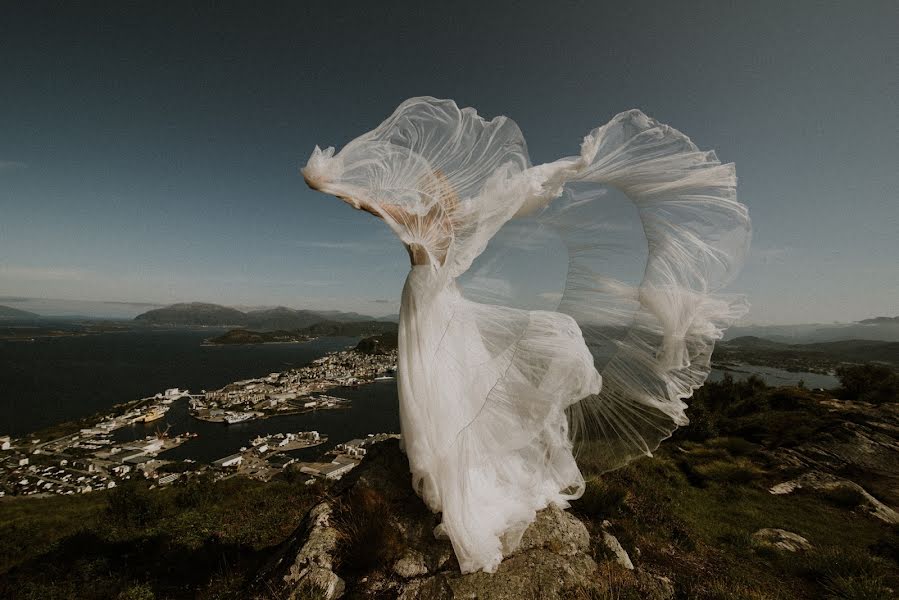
[305, 334]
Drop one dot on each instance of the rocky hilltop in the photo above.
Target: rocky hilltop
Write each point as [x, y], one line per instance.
[375, 538]
[784, 494]
[768, 494]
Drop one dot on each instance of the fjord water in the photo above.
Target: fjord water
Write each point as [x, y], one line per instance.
[374, 409]
[51, 380]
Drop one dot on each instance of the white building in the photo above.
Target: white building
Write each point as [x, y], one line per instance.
[229, 461]
[167, 479]
[332, 470]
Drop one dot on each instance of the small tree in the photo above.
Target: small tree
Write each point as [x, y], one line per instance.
[132, 504]
[869, 383]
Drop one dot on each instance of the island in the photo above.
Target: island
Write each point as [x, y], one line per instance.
[311, 332]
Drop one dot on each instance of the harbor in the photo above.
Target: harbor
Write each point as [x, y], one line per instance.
[289, 424]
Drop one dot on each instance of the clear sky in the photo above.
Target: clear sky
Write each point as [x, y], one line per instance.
[151, 155]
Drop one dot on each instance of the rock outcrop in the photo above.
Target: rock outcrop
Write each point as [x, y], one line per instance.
[554, 558]
[858, 455]
[779, 539]
[829, 483]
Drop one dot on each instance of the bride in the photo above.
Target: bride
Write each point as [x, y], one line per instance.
[495, 401]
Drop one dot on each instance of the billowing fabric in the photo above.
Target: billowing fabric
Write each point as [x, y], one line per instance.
[497, 396]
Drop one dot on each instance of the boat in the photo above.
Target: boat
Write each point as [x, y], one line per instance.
[238, 417]
[155, 413]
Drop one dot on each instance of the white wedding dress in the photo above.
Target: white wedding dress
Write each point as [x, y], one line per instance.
[495, 400]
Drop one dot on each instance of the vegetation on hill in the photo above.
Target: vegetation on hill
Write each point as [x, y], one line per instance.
[687, 515]
[193, 314]
[8, 312]
[878, 328]
[320, 329]
[378, 344]
[281, 318]
[245, 336]
[821, 357]
[200, 539]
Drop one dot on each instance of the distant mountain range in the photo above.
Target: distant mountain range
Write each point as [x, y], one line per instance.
[819, 356]
[878, 328]
[320, 329]
[283, 319]
[8, 312]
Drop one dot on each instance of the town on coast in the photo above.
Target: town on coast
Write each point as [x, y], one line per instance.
[89, 458]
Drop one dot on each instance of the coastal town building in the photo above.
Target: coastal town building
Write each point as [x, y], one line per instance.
[232, 460]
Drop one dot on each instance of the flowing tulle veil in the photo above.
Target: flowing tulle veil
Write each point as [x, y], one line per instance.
[561, 307]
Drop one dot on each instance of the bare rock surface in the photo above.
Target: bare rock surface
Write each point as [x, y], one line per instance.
[779, 539]
[859, 452]
[615, 547]
[553, 559]
[826, 482]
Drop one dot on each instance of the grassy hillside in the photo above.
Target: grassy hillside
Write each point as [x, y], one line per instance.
[8, 312]
[688, 514]
[815, 357]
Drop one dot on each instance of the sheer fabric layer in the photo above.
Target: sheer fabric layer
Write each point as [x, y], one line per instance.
[495, 401]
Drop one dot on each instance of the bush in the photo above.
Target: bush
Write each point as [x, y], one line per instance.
[141, 591]
[870, 383]
[856, 588]
[734, 445]
[844, 496]
[833, 563]
[196, 492]
[600, 499]
[368, 538]
[702, 424]
[132, 504]
[740, 471]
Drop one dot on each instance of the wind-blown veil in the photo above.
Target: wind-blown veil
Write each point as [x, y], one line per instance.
[640, 240]
[632, 239]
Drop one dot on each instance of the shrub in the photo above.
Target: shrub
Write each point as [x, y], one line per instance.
[844, 496]
[702, 424]
[836, 567]
[856, 588]
[141, 591]
[736, 446]
[132, 504]
[600, 499]
[196, 492]
[869, 383]
[740, 471]
[787, 399]
[368, 537]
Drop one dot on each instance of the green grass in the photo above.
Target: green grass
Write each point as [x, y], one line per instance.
[691, 511]
[601, 499]
[687, 513]
[843, 496]
[196, 536]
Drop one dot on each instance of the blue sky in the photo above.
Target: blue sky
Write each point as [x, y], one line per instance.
[152, 155]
